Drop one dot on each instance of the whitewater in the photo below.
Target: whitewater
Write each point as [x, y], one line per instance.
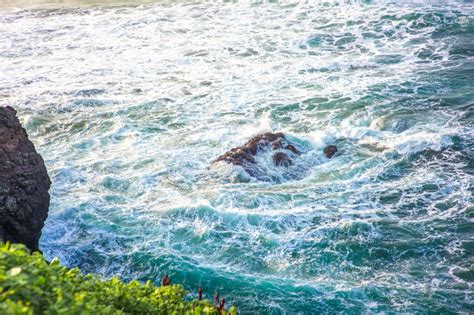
[129, 103]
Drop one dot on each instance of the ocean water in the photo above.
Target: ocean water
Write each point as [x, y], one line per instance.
[130, 103]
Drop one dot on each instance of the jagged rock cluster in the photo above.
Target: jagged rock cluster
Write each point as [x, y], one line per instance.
[245, 154]
[283, 152]
[24, 184]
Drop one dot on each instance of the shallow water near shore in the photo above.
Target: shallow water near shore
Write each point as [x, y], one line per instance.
[129, 104]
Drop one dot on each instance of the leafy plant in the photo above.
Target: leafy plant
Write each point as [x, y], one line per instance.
[29, 285]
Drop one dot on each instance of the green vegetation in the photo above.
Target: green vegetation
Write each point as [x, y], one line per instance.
[29, 285]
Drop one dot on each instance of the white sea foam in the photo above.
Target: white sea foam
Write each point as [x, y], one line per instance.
[129, 105]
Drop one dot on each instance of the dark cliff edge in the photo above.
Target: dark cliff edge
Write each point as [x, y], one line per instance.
[24, 184]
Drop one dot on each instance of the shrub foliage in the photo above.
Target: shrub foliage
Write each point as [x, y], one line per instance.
[30, 285]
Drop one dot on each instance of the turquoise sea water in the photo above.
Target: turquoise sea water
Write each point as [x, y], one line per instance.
[129, 104]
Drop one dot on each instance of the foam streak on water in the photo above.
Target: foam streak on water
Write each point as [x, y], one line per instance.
[129, 104]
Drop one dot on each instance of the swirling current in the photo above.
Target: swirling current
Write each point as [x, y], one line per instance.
[130, 103]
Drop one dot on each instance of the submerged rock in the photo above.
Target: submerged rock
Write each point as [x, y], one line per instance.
[24, 184]
[281, 159]
[329, 151]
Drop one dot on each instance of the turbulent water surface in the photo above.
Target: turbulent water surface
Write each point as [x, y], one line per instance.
[129, 104]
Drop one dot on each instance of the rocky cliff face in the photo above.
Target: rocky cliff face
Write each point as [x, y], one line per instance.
[24, 184]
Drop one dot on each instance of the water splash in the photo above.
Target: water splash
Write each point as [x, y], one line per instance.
[129, 104]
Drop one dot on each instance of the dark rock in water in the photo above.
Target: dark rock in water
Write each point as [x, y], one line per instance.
[282, 159]
[330, 150]
[245, 155]
[292, 148]
[24, 184]
[274, 146]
